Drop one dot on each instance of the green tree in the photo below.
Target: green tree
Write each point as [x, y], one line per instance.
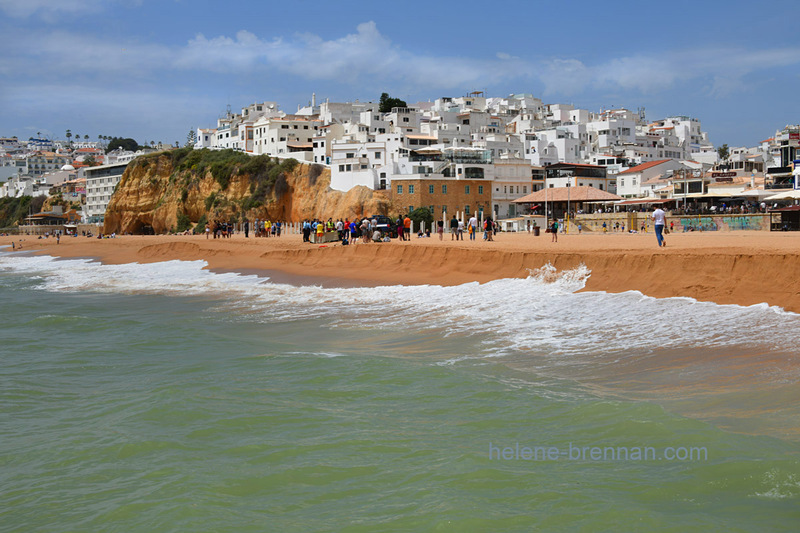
[125, 144]
[191, 137]
[723, 152]
[69, 135]
[421, 214]
[85, 137]
[387, 103]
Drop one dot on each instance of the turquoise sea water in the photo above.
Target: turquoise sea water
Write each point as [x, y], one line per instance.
[164, 397]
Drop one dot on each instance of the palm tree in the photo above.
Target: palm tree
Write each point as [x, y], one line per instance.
[69, 135]
[85, 137]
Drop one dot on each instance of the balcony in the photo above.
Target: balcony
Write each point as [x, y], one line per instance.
[779, 178]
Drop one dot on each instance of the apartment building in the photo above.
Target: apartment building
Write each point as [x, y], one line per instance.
[287, 136]
[100, 185]
[40, 163]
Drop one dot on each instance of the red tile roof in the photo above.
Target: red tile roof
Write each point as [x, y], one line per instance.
[644, 166]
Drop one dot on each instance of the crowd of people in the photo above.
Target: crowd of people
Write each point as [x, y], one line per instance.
[382, 229]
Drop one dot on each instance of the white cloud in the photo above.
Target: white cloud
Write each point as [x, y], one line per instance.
[721, 71]
[367, 59]
[50, 10]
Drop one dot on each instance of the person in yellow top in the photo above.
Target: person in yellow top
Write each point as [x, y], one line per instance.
[320, 230]
[267, 227]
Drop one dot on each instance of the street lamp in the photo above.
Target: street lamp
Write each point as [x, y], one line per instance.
[566, 226]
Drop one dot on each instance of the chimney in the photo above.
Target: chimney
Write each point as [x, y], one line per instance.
[313, 100]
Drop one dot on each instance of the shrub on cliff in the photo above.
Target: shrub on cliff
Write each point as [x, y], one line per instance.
[14, 210]
[184, 222]
[201, 225]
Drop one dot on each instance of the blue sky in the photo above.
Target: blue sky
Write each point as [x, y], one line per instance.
[152, 70]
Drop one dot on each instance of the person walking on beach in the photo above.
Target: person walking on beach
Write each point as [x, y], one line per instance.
[440, 229]
[554, 231]
[659, 221]
[460, 231]
[490, 229]
[473, 227]
[453, 228]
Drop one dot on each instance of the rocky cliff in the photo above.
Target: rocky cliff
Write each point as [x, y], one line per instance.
[176, 190]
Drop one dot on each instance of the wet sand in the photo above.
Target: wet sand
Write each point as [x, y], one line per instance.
[745, 268]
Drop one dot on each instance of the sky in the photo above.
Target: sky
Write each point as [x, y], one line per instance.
[153, 70]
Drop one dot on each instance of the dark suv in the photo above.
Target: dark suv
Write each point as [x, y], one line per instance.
[385, 225]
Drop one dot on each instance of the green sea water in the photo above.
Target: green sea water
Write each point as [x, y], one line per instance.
[125, 409]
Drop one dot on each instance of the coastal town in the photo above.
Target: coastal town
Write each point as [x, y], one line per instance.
[513, 159]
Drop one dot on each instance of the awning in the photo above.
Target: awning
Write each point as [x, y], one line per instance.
[786, 195]
[638, 201]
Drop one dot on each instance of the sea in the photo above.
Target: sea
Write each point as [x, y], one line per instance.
[166, 397]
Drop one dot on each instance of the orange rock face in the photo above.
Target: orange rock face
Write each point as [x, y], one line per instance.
[152, 195]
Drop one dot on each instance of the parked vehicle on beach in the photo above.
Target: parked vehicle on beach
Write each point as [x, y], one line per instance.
[385, 225]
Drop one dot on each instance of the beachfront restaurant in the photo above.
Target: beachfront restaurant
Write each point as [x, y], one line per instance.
[560, 200]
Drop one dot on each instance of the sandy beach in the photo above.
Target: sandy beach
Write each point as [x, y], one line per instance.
[742, 268]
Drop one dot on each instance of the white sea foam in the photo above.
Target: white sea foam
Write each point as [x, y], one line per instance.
[542, 314]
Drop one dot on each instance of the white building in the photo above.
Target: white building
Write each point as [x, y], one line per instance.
[630, 183]
[287, 136]
[512, 179]
[100, 185]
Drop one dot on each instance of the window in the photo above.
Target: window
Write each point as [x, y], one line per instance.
[444, 209]
[405, 119]
[349, 155]
[377, 155]
[399, 189]
[480, 189]
[505, 189]
[430, 189]
[444, 189]
[410, 208]
[410, 189]
[524, 189]
[466, 189]
[466, 210]
[430, 207]
[341, 168]
[363, 167]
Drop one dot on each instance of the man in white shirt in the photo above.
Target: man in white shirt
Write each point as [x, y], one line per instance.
[659, 221]
[473, 223]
